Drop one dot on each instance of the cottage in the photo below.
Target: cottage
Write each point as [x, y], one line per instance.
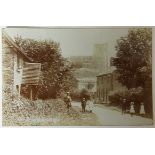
[107, 82]
[86, 83]
[18, 69]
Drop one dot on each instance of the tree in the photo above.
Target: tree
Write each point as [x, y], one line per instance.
[90, 86]
[85, 94]
[134, 57]
[56, 71]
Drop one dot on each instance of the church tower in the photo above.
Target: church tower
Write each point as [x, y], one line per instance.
[100, 57]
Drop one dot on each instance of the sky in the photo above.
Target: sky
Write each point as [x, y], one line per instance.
[74, 41]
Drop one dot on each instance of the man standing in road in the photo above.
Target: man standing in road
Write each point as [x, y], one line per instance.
[83, 104]
[124, 105]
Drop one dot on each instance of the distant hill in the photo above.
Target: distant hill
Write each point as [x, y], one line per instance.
[85, 72]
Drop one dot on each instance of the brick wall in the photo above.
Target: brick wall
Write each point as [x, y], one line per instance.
[107, 83]
[103, 86]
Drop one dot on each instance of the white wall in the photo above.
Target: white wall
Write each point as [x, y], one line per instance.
[17, 72]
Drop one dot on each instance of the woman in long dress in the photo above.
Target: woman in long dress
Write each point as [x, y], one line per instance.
[142, 110]
[132, 109]
[90, 106]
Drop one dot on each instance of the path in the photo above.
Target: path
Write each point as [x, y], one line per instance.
[110, 116]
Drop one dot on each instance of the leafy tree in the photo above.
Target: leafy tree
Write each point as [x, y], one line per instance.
[85, 94]
[90, 86]
[56, 71]
[134, 57]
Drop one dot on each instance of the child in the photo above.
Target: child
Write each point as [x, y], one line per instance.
[83, 104]
[132, 110]
[142, 110]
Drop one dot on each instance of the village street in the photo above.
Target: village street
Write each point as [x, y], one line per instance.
[112, 116]
[102, 115]
[41, 81]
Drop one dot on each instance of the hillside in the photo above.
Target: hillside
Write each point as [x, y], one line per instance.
[85, 72]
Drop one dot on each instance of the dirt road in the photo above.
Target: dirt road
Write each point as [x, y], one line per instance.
[111, 116]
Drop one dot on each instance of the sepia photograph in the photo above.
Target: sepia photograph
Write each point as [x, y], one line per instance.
[77, 76]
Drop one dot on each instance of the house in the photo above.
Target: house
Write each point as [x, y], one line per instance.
[18, 69]
[82, 61]
[100, 59]
[86, 83]
[107, 82]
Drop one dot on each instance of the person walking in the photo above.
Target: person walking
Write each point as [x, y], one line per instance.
[132, 110]
[83, 104]
[142, 109]
[124, 104]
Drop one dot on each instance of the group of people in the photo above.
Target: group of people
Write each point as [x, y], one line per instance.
[132, 108]
[125, 106]
[68, 101]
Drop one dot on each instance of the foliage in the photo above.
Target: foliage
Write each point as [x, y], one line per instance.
[134, 57]
[85, 94]
[90, 86]
[135, 94]
[56, 71]
[75, 95]
[18, 111]
[116, 96]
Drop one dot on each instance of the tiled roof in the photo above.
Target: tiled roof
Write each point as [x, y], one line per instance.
[108, 71]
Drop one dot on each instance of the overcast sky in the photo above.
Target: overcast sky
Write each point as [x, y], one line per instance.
[74, 42]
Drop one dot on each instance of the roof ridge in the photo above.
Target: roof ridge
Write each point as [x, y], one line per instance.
[19, 49]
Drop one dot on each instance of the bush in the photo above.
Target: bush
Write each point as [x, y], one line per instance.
[116, 96]
[75, 95]
[85, 94]
[135, 94]
[18, 110]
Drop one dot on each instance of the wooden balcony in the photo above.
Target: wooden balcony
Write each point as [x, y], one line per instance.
[31, 73]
